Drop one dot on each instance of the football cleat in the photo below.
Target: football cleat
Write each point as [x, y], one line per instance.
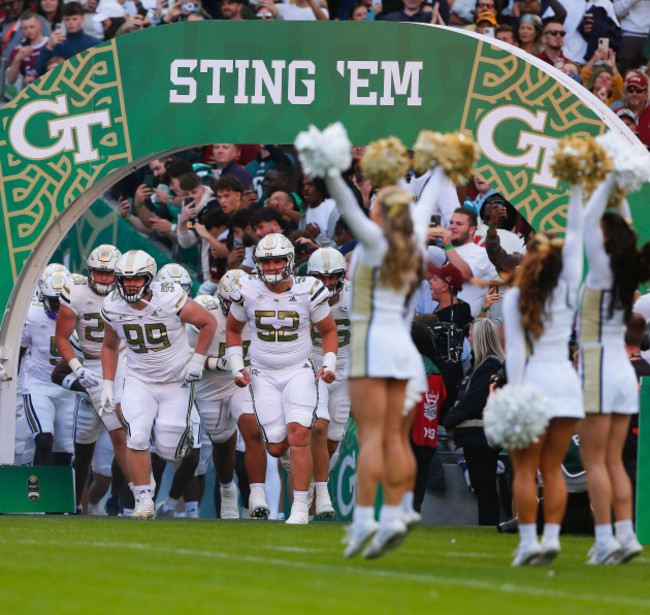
[609, 553]
[229, 502]
[144, 509]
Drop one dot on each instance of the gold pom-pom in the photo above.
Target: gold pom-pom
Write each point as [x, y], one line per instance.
[581, 161]
[385, 161]
[455, 152]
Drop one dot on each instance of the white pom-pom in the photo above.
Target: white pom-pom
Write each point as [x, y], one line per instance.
[325, 153]
[515, 416]
[631, 171]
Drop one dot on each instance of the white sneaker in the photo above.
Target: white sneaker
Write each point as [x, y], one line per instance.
[629, 550]
[193, 514]
[229, 502]
[527, 555]
[299, 514]
[144, 509]
[389, 536]
[607, 554]
[357, 535]
[324, 508]
[550, 550]
[257, 506]
[161, 513]
[411, 519]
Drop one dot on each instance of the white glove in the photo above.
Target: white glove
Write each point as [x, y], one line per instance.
[107, 404]
[87, 377]
[329, 362]
[3, 374]
[193, 371]
[235, 355]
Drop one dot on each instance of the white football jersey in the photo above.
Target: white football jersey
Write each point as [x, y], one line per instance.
[157, 348]
[280, 322]
[87, 306]
[217, 381]
[38, 338]
[341, 313]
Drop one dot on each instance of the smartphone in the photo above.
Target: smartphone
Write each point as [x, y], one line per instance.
[489, 31]
[603, 44]
[24, 42]
[435, 219]
[238, 242]
[59, 28]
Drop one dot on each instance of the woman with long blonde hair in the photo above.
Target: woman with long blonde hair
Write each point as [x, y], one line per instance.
[385, 270]
[538, 313]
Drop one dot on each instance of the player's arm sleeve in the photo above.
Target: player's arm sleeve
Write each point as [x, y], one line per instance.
[239, 312]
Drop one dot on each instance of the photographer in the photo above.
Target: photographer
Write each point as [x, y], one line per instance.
[465, 419]
[445, 283]
[200, 199]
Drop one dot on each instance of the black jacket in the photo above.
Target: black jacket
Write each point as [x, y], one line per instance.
[471, 400]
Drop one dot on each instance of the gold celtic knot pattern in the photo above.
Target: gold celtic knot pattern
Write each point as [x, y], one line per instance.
[501, 79]
[36, 187]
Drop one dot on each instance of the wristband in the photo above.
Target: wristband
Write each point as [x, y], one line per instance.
[236, 364]
[108, 385]
[484, 310]
[69, 380]
[329, 362]
[494, 228]
[173, 228]
[128, 217]
[75, 364]
[140, 205]
[449, 247]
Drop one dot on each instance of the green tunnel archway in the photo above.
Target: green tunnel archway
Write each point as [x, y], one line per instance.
[91, 121]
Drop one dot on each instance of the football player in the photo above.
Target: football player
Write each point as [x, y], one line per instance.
[281, 310]
[329, 266]
[81, 304]
[158, 388]
[49, 410]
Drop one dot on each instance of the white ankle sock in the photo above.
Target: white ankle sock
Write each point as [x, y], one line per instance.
[551, 531]
[407, 501]
[603, 533]
[389, 513]
[624, 530]
[226, 485]
[300, 497]
[191, 507]
[363, 514]
[528, 533]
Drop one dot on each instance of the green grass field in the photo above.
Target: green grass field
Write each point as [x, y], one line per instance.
[53, 564]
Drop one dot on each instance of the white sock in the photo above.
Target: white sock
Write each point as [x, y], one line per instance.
[300, 497]
[142, 492]
[407, 501]
[528, 533]
[551, 531]
[388, 513]
[363, 514]
[170, 504]
[191, 507]
[603, 533]
[226, 485]
[126, 512]
[624, 530]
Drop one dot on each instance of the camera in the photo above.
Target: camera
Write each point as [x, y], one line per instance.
[190, 7]
[447, 340]
[24, 42]
[499, 378]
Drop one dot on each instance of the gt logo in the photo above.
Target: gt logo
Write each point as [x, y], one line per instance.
[67, 128]
[534, 144]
